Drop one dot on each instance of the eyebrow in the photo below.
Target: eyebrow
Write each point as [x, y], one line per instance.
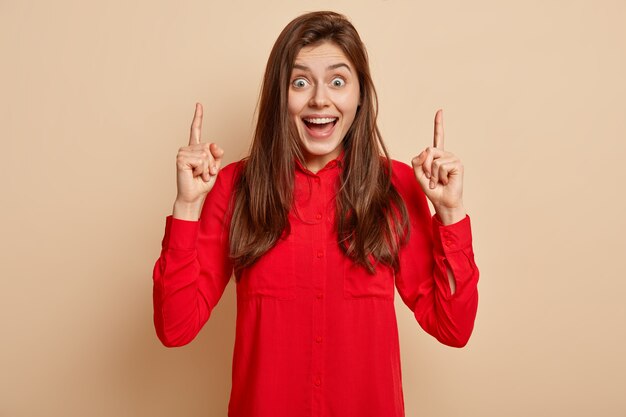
[330, 67]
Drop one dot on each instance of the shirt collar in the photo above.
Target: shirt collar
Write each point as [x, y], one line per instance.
[333, 163]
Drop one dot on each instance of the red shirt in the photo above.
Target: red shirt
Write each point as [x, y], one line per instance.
[315, 335]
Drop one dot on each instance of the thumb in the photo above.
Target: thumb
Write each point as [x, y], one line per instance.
[217, 153]
[420, 175]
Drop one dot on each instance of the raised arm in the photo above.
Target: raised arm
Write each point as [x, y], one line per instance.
[193, 268]
[438, 277]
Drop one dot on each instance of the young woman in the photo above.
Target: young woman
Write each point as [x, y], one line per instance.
[320, 227]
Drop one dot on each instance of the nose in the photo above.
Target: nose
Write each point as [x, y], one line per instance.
[319, 97]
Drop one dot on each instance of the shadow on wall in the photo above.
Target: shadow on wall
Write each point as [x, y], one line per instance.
[196, 377]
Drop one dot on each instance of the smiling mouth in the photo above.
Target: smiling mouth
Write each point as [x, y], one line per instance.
[320, 124]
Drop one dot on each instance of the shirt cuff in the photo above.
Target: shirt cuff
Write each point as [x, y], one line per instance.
[452, 237]
[180, 234]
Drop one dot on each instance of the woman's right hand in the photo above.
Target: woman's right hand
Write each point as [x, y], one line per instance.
[197, 165]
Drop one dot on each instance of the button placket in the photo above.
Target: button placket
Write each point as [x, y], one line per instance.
[315, 215]
[316, 212]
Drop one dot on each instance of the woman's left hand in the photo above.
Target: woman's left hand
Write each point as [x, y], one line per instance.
[440, 175]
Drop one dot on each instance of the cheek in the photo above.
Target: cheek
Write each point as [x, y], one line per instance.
[348, 103]
[295, 103]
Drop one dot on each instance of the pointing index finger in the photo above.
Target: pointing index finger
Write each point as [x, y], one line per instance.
[438, 138]
[196, 126]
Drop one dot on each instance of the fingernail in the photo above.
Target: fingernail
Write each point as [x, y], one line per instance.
[427, 174]
[432, 184]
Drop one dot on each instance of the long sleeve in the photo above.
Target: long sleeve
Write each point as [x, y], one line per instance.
[423, 279]
[193, 268]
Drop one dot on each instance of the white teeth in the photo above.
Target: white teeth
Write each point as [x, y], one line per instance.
[320, 120]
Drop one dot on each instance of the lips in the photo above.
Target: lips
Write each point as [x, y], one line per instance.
[320, 127]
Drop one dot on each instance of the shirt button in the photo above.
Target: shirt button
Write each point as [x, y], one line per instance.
[317, 180]
[318, 216]
[320, 295]
[448, 243]
[320, 253]
[317, 382]
[318, 339]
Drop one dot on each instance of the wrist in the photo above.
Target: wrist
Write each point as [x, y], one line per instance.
[451, 215]
[187, 211]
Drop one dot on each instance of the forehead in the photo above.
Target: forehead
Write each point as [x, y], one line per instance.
[325, 53]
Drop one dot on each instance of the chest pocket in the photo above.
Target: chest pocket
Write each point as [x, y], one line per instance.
[359, 283]
[272, 275]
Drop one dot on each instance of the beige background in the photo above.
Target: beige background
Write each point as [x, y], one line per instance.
[97, 97]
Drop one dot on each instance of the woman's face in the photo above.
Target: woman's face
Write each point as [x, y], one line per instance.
[323, 99]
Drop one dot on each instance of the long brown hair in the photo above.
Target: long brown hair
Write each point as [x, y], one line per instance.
[372, 220]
